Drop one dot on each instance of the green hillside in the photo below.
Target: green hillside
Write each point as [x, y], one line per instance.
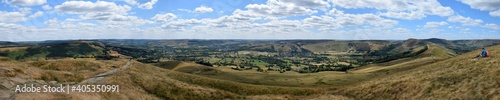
[460, 77]
[70, 49]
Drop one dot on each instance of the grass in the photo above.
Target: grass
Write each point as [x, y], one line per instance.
[73, 49]
[420, 77]
[229, 86]
[324, 79]
[461, 77]
[61, 70]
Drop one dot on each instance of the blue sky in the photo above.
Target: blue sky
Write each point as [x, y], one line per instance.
[34, 20]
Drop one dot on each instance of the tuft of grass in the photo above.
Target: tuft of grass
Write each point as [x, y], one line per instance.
[67, 65]
[62, 77]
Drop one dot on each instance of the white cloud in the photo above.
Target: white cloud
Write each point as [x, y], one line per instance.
[12, 16]
[180, 24]
[495, 13]
[320, 4]
[22, 15]
[435, 24]
[409, 10]
[47, 7]
[35, 15]
[482, 4]
[341, 20]
[107, 13]
[163, 17]
[104, 16]
[147, 5]
[466, 21]
[335, 11]
[485, 5]
[203, 9]
[9, 26]
[492, 26]
[84, 7]
[271, 20]
[115, 20]
[275, 8]
[26, 2]
[405, 15]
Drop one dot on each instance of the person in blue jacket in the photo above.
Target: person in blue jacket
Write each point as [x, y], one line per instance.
[484, 53]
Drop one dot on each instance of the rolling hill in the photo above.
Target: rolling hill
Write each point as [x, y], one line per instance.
[460, 77]
[187, 67]
[66, 49]
[432, 53]
[429, 70]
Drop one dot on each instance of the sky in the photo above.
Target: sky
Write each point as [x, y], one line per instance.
[37, 20]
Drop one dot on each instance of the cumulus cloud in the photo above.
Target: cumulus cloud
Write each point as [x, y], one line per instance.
[203, 9]
[12, 16]
[465, 21]
[342, 20]
[435, 24]
[180, 24]
[320, 4]
[492, 26]
[482, 4]
[274, 19]
[107, 13]
[46, 7]
[37, 14]
[409, 10]
[485, 5]
[83, 7]
[164, 17]
[276, 8]
[147, 5]
[26, 2]
[405, 15]
[495, 13]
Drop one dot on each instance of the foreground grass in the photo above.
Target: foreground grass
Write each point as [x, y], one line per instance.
[177, 85]
[461, 77]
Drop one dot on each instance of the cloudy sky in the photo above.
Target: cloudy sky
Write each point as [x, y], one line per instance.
[33, 20]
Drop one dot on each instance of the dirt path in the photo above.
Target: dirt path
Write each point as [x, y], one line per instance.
[102, 75]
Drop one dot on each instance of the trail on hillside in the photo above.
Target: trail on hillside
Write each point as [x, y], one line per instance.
[102, 75]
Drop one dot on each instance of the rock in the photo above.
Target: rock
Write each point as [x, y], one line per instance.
[53, 82]
[18, 80]
[8, 84]
[40, 82]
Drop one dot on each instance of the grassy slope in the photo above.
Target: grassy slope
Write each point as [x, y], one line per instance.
[461, 77]
[177, 85]
[143, 81]
[62, 70]
[328, 78]
[187, 67]
[432, 54]
[71, 49]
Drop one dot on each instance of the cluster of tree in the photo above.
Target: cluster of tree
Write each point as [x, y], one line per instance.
[240, 67]
[203, 62]
[313, 68]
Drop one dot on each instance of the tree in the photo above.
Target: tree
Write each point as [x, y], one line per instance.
[260, 69]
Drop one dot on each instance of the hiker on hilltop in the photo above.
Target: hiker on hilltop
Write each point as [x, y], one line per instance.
[484, 53]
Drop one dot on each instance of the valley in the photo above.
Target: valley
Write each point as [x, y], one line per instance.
[255, 69]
